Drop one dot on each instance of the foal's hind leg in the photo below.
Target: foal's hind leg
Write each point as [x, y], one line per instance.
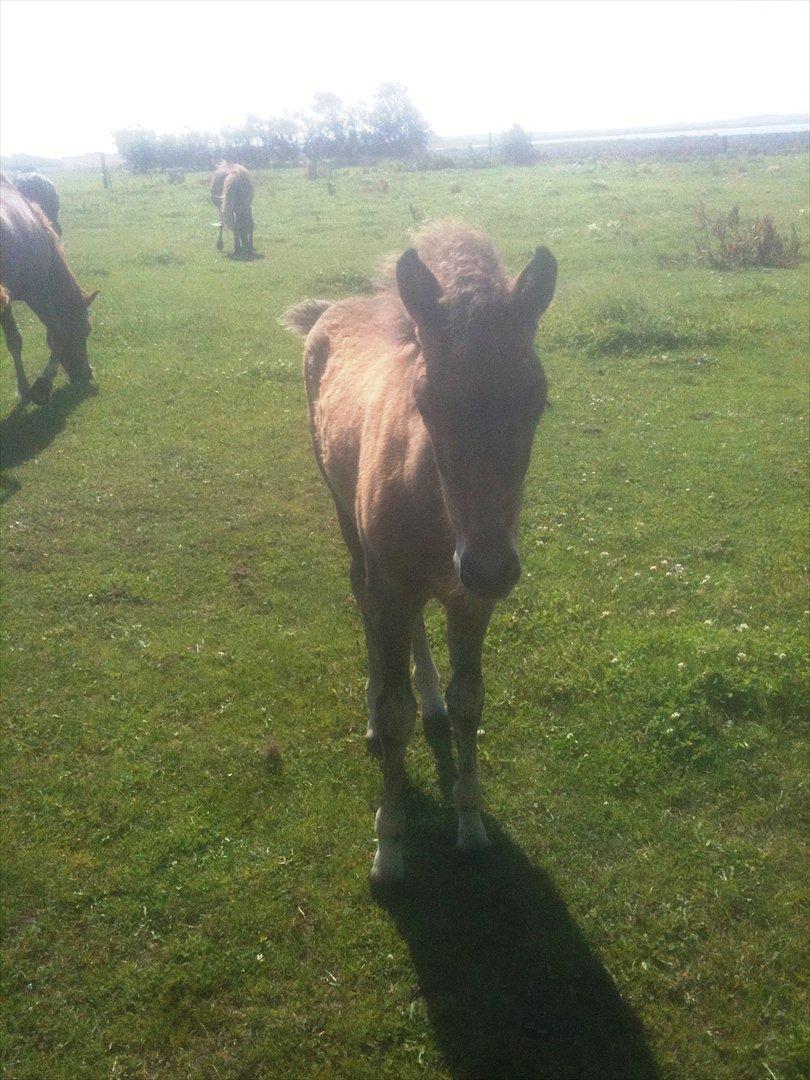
[357, 575]
[466, 626]
[426, 681]
[391, 619]
[14, 343]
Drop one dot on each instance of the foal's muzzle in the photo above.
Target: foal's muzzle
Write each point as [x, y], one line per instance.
[490, 577]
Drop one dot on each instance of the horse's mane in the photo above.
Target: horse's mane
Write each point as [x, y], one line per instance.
[463, 260]
[60, 274]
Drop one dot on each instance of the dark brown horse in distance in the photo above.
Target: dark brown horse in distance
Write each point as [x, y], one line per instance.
[40, 190]
[232, 194]
[423, 402]
[33, 269]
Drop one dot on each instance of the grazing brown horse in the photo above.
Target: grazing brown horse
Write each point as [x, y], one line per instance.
[39, 189]
[423, 402]
[33, 269]
[232, 194]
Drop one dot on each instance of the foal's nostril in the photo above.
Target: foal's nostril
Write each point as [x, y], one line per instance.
[491, 579]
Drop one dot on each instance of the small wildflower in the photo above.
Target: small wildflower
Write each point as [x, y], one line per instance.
[260, 957]
[604, 615]
[681, 666]
[742, 656]
[743, 626]
[708, 622]
[637, 573]
[781, 656]
[653, 568]
[675, 716]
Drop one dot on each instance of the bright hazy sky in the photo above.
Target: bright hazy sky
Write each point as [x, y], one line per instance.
[73, 72]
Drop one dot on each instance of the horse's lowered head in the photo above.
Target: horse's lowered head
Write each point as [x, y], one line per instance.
[480, 391]
[68, 340]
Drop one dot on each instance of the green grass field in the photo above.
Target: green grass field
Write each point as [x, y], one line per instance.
[180, 903]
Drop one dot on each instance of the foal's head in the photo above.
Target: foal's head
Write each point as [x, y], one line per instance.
[480, 395]
[67, 338]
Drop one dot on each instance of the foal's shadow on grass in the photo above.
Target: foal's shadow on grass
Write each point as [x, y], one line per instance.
[513, 991]
[251, 256]
[26, 432]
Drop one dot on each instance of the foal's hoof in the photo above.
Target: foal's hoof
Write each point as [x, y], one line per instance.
[220, 245]
[373, 744]
[388, 867]
[472, 836]
[40, 392]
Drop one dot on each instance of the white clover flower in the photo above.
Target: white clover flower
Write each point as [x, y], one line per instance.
[681, 666]
[675, 716]
[742, 656]
[743, 626]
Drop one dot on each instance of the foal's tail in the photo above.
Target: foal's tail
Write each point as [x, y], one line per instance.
[228, 204]
[302, 317]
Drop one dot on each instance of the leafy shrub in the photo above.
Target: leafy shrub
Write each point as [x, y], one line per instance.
[516, 147]
[725, 242]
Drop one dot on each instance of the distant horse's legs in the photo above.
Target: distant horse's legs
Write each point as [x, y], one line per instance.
[220, 244]
[249, 232]
[391, 619]
[14, 343]
[466, 626]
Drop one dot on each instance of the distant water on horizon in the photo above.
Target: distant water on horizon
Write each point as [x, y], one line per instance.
[751, 129]
[758, 129]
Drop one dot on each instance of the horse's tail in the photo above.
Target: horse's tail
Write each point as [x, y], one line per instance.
[302, 317]
[5, 299]
[228, 213]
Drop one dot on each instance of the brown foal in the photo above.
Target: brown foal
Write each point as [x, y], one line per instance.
[423, 403]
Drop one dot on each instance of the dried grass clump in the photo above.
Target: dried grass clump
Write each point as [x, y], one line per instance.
[725, 242]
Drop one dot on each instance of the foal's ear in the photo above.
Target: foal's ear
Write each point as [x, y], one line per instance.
[419, 290]
[90, 297]
[534, 287]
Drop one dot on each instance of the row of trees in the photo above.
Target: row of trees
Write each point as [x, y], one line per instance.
[389, 127]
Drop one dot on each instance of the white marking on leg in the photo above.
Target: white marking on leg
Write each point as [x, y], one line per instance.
[388, 864]
[472, 836]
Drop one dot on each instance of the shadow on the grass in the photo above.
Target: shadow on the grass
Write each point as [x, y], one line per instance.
[26, 432]
[513, 990]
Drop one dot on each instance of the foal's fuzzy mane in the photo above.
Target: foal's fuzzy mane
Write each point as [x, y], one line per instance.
[463, 260]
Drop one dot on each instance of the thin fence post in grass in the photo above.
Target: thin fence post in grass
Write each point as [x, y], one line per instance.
[106, 179]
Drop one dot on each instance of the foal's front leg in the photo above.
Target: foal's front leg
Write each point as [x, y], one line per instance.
[391, 621]
[467, 622]
[14, 343]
